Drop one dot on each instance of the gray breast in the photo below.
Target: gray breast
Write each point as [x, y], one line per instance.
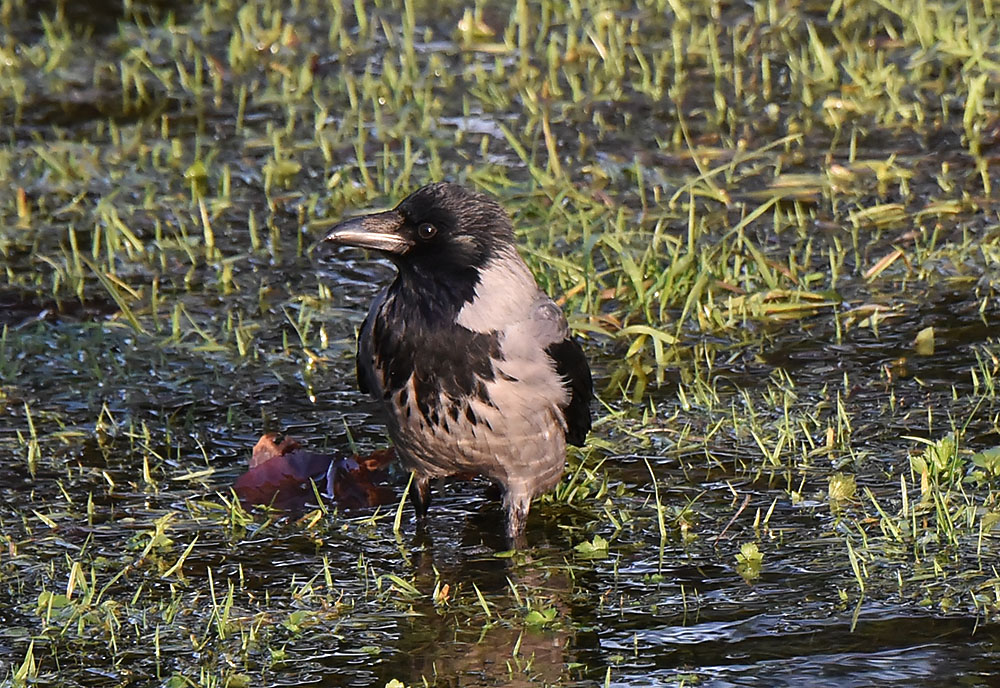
[511, 429]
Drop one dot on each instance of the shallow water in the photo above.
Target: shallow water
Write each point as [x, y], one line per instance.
[650, 615]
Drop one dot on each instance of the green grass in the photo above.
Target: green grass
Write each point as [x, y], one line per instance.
[753, 215]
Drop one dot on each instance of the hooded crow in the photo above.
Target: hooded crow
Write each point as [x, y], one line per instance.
[472, 363]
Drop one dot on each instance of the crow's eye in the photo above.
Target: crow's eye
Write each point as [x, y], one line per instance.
[426, 231]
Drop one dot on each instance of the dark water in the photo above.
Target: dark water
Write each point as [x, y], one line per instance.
[643, 614]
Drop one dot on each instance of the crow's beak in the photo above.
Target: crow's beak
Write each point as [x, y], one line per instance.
[379, 232]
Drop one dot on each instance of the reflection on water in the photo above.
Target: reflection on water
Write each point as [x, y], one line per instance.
[654, 617]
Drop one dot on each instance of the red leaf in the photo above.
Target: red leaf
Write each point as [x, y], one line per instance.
[280, 475]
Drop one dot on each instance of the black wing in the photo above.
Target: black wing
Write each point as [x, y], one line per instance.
[572, 366]
[367, 379]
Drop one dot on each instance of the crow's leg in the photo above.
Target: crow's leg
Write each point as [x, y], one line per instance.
[420, 493]
[517, 506]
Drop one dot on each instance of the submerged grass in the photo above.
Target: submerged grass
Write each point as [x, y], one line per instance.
[776, 225]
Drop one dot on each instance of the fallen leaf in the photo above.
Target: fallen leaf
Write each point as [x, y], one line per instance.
[282, 474]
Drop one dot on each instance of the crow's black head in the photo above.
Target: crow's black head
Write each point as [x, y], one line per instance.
[440, 230]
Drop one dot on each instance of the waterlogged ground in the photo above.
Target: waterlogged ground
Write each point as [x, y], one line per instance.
[775, 226]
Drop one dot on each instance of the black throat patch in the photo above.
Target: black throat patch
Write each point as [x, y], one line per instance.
[448, 362]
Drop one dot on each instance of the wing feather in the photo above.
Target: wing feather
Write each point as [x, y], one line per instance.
[572, 366]
[368, 381]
